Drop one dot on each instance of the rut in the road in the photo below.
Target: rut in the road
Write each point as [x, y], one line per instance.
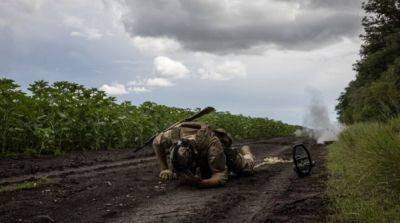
[132, 193]
[238, 201]
[88, 170]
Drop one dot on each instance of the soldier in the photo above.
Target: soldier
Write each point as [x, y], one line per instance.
[200, 155]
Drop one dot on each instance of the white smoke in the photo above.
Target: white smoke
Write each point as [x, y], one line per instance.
[316, 119]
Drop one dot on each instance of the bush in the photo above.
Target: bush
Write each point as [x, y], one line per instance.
[66, 116]
[365, 168]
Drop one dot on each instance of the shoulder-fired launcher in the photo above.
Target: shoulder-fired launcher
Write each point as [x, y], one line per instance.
[199, 114]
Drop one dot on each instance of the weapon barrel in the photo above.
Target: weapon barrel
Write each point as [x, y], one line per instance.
[199, 114]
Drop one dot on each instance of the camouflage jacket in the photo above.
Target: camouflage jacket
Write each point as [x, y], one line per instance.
[210, 156]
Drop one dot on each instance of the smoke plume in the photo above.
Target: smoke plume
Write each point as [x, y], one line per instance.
[316, 119]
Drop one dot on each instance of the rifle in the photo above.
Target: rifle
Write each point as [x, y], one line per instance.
[199, 114]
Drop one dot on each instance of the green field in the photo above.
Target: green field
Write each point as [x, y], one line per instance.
[365, 173]
[64, 116]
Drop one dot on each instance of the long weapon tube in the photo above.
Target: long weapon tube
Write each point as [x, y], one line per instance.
[199, 114]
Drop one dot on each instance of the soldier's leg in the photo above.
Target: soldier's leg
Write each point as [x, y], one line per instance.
[242, 161]
[248, 160]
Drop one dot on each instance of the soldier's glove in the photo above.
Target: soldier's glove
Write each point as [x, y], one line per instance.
[166, 175]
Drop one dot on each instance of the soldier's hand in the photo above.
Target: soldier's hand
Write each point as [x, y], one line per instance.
[166, 175]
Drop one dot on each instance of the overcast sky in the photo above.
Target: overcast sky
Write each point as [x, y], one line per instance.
[258, 57]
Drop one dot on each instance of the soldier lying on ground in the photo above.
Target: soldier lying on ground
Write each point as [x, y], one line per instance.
[200, 155]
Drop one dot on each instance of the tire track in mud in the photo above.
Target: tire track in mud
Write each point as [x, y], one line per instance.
[277, 195]
[240, 198]
[86, 170]
[97, 168]
[258, 202]
[129, 191]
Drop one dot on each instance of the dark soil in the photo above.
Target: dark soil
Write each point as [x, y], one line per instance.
[22, 165]
[114, 186]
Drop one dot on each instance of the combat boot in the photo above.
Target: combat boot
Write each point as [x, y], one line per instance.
[246, 153]
[248, 158]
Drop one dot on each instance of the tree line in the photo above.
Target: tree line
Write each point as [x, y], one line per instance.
[374, 95]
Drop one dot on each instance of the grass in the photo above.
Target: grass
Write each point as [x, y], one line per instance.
[24, 185]
[364, 163]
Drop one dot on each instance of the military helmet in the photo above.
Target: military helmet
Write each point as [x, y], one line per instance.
[182, 155]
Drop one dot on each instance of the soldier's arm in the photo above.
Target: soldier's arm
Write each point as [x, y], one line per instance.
[217, 163]
[217, 179]
[160, 146]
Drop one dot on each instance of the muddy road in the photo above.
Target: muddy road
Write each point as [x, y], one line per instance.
[116, 186]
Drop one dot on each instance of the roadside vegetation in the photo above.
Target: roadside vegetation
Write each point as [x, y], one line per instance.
[374, 95]
[64, 116]
[365, 162]
[365, 173]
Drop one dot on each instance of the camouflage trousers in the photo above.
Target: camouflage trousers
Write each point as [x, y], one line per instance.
[240, 160]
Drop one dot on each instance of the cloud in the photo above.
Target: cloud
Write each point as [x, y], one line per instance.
[13, 14]
[30, 6]
[164, 69]
[142, 85]
[336, 4]
[178, 29]
[138, 86]
[90, 34]
[225, 71]
[225, 27]
[159, 82]
[138, 89]
[169, 68]
[155, 46]
[73, 21]
[81, 29]
[114, 89]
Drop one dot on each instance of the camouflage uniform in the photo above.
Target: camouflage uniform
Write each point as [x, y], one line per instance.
[213, 156]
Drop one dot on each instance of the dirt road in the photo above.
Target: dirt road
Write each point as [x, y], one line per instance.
[116, 187]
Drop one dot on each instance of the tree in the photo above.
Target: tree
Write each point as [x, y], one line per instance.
[378, 77]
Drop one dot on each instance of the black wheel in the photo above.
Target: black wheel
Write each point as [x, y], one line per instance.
[302, 160]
